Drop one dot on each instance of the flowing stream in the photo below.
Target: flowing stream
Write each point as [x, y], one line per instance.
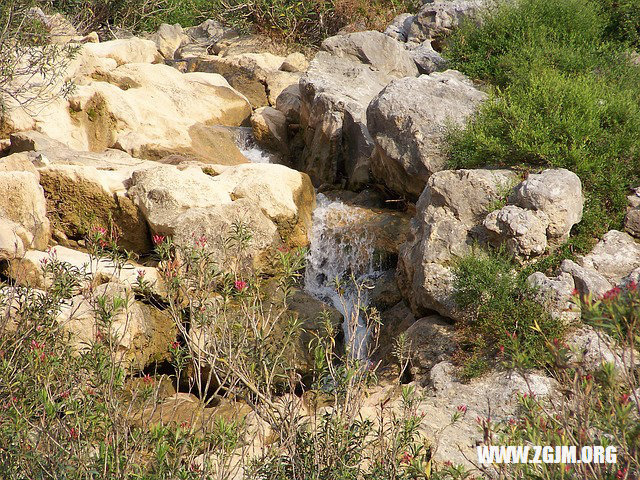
[340, 252]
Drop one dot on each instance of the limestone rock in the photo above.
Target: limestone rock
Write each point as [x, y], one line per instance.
[295, 62]
[591, 348]
[332, 88]
[22, 201]
[614, 257]
[110, 108]
[289, 103]
[408, 119]
[168, 39]
[587, 282]
[373, 48]
[438, 18]
[431, 341]
[556, 294]
[142, 334]
[452, 204]
[398, 29]
[274, 201]
[427, 59]
[558, 193]
[130, 50]
[84, 197]
[28, 270]
[13, 238]
[524, 232]
[270, 129]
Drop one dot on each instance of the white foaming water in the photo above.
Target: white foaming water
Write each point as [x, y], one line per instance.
[338, 251]
[249, 148]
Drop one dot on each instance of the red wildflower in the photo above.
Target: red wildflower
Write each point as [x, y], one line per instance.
[611, 294]
[141, 273]
[175, 345]
[624, 398]
[147, 379]
[240, 285]
[100, 230]
[36, 345]
[575, 292]
[462, 408]
[406, 458]
[632, 286]
[620, 474]
[74, 433]
[65, 394]
[284, 249]
[501, 348]
[158, 239]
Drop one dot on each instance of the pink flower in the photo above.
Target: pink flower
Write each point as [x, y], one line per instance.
[175, 345]
[462, 408]
[632, 286]
[158, 239]
[147, 379]
[240, 285]
[141, 273]
[65, 394]
[575, 292]
[620, 474]
[73, 433]
[624, 398]
[201, 242]
[100, 230]
[284, 249]
[501, 348]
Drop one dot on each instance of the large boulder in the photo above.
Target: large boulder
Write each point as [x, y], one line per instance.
[614, 257]
[373, 48]
[557, 193]
[142, 334]
[450, 209]
[587, 282]
[23, 203]
[168, 39]
[147, 110]
[85, 190]
[408, 120]
[130, 50]
[274, 201]
[438, 18]
[336, 90]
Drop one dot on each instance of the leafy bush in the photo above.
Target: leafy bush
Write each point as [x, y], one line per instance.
[592, 407]
[623, 20]
[502, 320]
[305, 22]
[564, 96]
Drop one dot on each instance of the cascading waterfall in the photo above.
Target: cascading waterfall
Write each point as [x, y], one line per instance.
[250, 149]
[338, 251]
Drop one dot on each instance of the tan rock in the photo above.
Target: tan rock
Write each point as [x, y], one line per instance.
[22, 201]
[270, 129]
[130, 50]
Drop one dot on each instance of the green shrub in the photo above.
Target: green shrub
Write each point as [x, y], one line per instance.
[623, 20]
[502, 320]
[563, 95]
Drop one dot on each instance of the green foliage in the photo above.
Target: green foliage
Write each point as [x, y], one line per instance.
[623, 20]
[503, 319]
[598, 405]
[302, 21]
[565, 96]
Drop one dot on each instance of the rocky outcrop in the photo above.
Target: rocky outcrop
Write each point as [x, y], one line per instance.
[523, 232]
[614, 257]
[147, 110]
[336, 90]
[407, 121]
[459, 208]
[168, 39]
[270, 129]
[122, 51]
[452, 204]
[587, 282]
